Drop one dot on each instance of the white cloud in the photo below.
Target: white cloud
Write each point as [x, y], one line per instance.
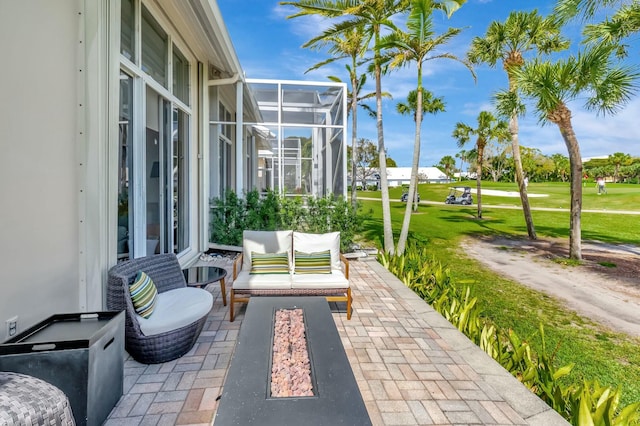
[597, 135]
[307, 27]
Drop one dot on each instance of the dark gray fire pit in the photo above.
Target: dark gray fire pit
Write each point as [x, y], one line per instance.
[246, 395]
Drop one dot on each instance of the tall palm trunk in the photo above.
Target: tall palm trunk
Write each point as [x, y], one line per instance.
[382, 159]
[517, 161]
[479, 178]
[413, 182]
[562, 117]
[354, 136]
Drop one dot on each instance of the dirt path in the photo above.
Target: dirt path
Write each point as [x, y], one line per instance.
[607, 295]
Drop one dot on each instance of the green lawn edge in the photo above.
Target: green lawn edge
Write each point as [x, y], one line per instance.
[598, 353]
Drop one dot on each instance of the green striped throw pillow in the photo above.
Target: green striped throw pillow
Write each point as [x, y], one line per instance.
[144, 294]
[269, 263]
[313, 263]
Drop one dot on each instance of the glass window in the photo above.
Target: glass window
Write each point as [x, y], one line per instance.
[125, 162]
[154, 164]
[227, 125]
[180, 171]
[180, 76]
[307, 156]
[154, 48]
[225, 153]
[225, 158]
[128, 29]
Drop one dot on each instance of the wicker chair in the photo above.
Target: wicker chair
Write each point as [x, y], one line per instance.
[165, 271]
[26, 400]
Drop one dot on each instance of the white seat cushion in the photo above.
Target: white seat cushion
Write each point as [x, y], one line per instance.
[175, 309]
[248, 281]
[311, 243]
[334, 280]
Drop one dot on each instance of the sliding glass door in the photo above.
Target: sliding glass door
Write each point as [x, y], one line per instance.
[155, 138]
[167, 183]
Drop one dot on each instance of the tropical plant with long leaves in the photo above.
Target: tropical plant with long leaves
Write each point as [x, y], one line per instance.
[593, 75]
[418, 45]
[489, 128]
[508, 42]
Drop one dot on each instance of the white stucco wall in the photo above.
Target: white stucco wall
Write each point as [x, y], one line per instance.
[38, 166]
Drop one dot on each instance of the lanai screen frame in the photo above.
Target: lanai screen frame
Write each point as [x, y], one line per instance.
[323, 115]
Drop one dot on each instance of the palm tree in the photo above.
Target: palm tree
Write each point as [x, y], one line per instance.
[613, 30]
[372, 15]
[350, 44]
[618, 159]
[622, 24]
[508, 42]
[418, 45]
[431, 105]
[463, 156]
[552, 86]
[447, 163]
[489, 128]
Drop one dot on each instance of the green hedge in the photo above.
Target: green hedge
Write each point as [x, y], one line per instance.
[231, 215]
[585, 404]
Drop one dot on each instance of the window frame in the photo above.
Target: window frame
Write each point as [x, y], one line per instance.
[141, 82]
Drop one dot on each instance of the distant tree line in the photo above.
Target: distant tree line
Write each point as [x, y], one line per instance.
[498, 166]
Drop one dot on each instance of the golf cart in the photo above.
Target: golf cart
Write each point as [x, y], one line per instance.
[405, 197]
[459, 195]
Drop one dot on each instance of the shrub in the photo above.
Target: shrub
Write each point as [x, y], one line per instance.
[231, 215]
[227, 219]
[589, 404]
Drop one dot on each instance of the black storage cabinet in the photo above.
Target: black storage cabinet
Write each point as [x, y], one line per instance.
[80, 353]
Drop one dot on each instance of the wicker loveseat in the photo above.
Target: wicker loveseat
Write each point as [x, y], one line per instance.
[333, 285]
[179, 314]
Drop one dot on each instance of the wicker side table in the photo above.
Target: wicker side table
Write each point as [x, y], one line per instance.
[25, 400]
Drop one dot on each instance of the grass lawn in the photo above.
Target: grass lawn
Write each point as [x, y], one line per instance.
[598, 353]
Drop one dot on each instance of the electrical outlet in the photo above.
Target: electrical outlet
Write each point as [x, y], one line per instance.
[12, 326]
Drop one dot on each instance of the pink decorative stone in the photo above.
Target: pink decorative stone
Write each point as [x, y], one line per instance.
[290, 366]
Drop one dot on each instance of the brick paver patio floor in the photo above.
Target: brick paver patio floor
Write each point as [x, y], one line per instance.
[412, 366]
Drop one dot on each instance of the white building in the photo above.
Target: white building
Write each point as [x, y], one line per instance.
[120, 120]
[398, 176]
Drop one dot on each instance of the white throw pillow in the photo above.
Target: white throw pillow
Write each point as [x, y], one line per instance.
[265, 242]
[310, 243]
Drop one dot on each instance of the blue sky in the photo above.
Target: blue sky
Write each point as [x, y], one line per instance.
[269, 46]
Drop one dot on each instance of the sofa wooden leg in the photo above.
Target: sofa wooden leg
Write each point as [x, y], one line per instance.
[223, 289]
[231, 302]
[349, 303]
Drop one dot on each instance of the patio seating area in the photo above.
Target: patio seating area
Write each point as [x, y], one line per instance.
[411, 365]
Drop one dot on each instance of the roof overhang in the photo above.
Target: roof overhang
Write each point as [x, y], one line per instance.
[202, 28]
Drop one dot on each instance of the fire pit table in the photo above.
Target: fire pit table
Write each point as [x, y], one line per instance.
[246, 397]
